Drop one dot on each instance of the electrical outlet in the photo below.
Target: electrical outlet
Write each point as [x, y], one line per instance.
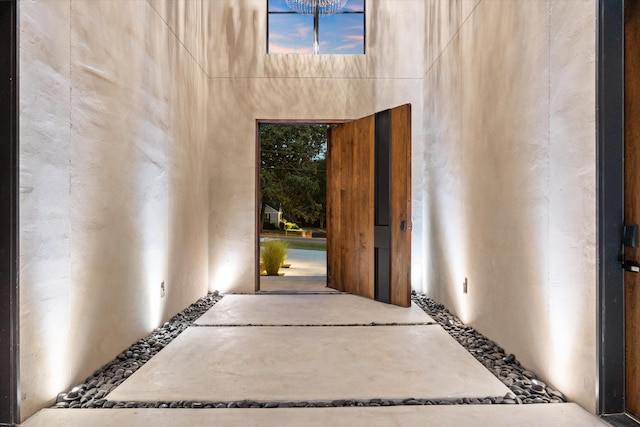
[162, 290]
[465, 286]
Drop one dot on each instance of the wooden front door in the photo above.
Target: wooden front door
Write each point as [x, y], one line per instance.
[632, 202]
[369, 206]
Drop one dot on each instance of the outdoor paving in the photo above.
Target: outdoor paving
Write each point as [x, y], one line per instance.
[308, 272]
[305, 263]
[295, 283]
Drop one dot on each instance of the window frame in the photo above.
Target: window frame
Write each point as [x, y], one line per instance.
[316, 29]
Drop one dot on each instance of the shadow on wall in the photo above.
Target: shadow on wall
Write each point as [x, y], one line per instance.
[395, 43]
[239, 23]
[188, 189]
[120, 117]
[504, 173]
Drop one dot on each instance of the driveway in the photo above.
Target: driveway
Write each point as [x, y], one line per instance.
[308, 272]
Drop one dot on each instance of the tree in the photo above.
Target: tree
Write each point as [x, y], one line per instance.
[321, 195]
[292, 174]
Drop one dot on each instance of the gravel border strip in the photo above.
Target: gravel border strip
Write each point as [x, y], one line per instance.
[524, 385]
[308, 404]
[91, 394]
[295, 325]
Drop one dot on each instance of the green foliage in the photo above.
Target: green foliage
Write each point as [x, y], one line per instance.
[272, 256]
[289, 226]
[308, 244]
[321, 195]
[293, 170]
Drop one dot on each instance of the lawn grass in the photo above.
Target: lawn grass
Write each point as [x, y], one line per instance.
[305, 244]
[278, 233]
[311, 245]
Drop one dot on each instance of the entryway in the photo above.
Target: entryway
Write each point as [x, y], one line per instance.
[291, 201]
[368, 206]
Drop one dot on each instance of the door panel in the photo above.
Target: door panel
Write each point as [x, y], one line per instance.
[632, 202]
[369, 206]
[350, 207]
[401, 205]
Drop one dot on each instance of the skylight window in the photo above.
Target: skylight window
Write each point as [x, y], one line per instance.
[341, 33]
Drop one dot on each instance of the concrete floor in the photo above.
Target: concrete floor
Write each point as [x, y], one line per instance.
[310, 364]
[557, 415]
[289, 362]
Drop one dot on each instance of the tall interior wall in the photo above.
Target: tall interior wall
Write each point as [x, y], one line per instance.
[510, 179]
[113, 180]
[247, 84]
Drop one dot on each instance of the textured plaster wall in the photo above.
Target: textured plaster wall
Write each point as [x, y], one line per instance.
[249, 85]
[510, 185]
[113, 180]
[238, 43]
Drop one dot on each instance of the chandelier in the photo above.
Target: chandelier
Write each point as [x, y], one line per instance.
[313, 7]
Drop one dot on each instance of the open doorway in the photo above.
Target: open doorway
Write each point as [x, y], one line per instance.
[368, 203]
[291, 204]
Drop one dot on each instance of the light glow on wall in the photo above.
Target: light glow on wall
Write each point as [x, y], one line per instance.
[226, 270]
[462, 300]
[152, 200]
[417, 272]
[566, 333]
[457, 271]
[45, 327]
[153, 228]
[154, 272]
[453, 242]
[57, 357]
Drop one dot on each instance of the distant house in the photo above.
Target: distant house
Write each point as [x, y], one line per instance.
[272, 215]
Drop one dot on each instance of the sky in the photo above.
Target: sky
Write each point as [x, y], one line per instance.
[338, 34]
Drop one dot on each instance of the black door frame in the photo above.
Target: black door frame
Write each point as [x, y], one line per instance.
[9, 316]
[610, 175]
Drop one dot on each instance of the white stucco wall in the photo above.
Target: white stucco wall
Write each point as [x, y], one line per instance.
[113, 180]
[247, 85]
[510, 184]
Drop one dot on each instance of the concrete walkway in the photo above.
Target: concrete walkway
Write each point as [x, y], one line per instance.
[313, 348]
